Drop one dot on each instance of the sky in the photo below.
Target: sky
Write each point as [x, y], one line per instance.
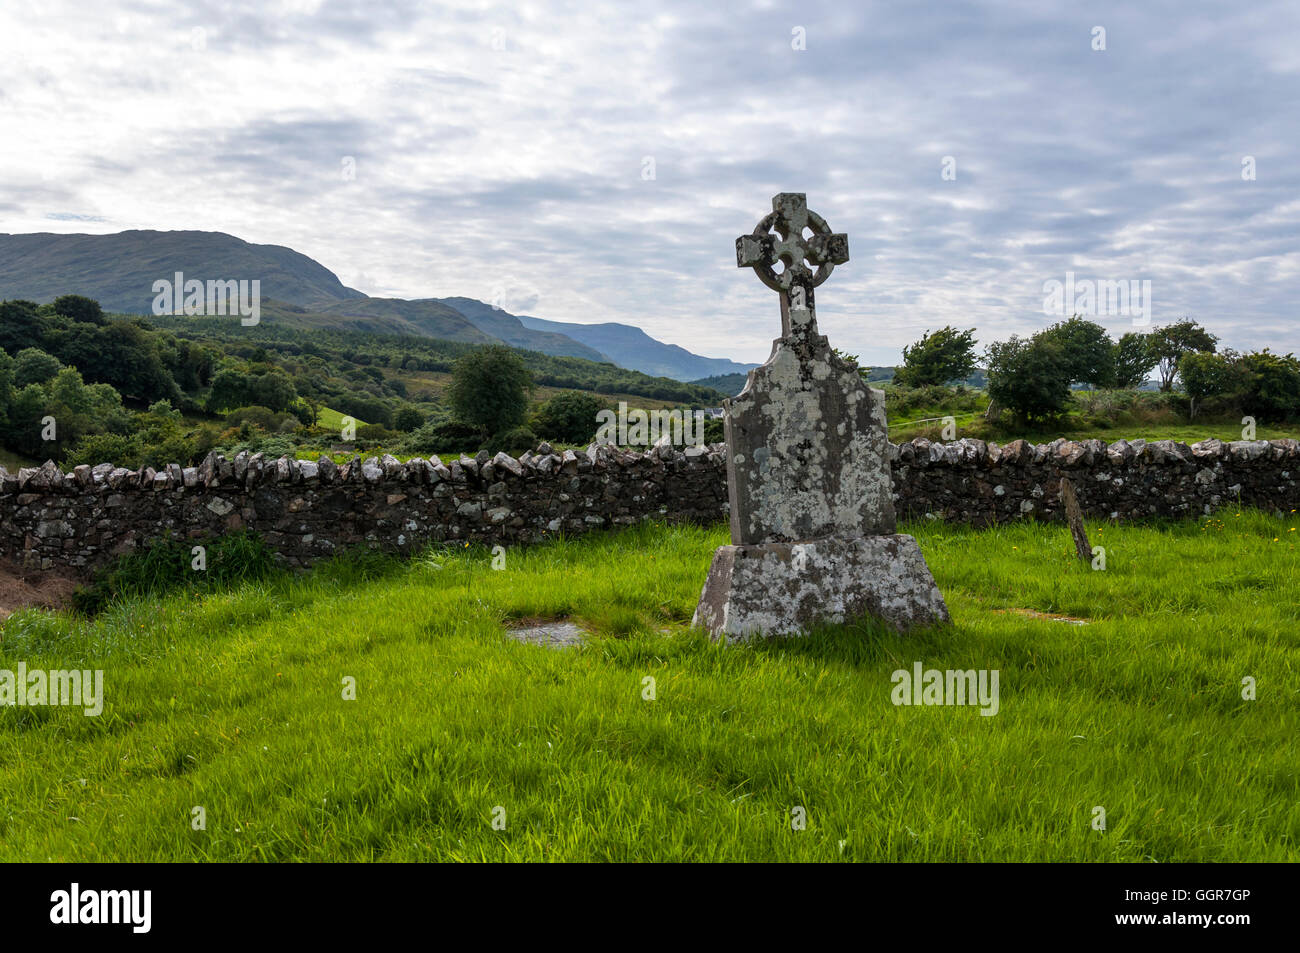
[596, 161]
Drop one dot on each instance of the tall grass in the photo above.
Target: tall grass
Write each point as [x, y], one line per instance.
[234, 702]
[169, 564]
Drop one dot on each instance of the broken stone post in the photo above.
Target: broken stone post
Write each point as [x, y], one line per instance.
[1074, 516]
[808, 475]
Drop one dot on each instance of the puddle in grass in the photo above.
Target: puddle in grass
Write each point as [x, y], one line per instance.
[553, 633]
[1049, 616]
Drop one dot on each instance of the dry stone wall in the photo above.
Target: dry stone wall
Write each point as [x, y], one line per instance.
[307, 511]
[970, 481]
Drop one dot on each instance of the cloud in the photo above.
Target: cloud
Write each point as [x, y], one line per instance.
[597, 161]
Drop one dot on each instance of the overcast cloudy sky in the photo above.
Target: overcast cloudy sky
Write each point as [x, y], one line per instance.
[593, 162]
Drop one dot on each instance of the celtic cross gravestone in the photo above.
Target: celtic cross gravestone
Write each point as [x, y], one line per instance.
[808, 475]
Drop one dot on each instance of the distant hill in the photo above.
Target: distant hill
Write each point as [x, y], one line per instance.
[733, 384]
[376, 316]
[729, 384]
[631, 347]
[119, 270]
[427, 317]
[505, 326]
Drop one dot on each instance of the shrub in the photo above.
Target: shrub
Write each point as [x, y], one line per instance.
[262, 417]
[166, 566]
[906, 401]
[375, 432]
[408, 418]
[94, 449]
[446, 436]
[362, 407]
[257, 442]
[515, 440]
[569, 417]
[1271, 385]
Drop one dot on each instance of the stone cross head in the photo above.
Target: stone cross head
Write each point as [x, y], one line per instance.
[806, 260]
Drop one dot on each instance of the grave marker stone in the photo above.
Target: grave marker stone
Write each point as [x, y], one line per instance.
[808, 475]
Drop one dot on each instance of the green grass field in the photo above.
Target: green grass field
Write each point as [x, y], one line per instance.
[331, 419]
[13, 462]
[968, 426]
[233, 702]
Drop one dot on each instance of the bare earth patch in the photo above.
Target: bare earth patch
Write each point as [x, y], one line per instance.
[21, 589]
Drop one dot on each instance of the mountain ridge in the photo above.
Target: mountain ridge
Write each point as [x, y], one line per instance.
[629, 346]
[119, 269]
[508, 327]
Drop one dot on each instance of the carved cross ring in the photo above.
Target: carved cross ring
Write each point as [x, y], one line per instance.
[779, 237]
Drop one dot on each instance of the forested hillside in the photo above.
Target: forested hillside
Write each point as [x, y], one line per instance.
[137, 391]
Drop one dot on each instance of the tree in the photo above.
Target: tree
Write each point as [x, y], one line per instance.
[408, 419]
[241, 387]
[1028, 377]
[34, 366]
[362, 407]
[308, 411]
[1206, 375]
[490, 388]
[569, 417]
[77, 409]
[21, 326]
[442, 436]
[190, 364]
[6, 384]
[1271, 384]
[1133, 360]
[939, 358]
[273, 389]
[79, 308]
[1088, 351]
[1170, 343]
[229, 390]
[124, 354]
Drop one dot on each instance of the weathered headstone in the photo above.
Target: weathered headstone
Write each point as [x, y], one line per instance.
[808, 475]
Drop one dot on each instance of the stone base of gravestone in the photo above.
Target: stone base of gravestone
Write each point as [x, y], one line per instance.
[776, 589]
